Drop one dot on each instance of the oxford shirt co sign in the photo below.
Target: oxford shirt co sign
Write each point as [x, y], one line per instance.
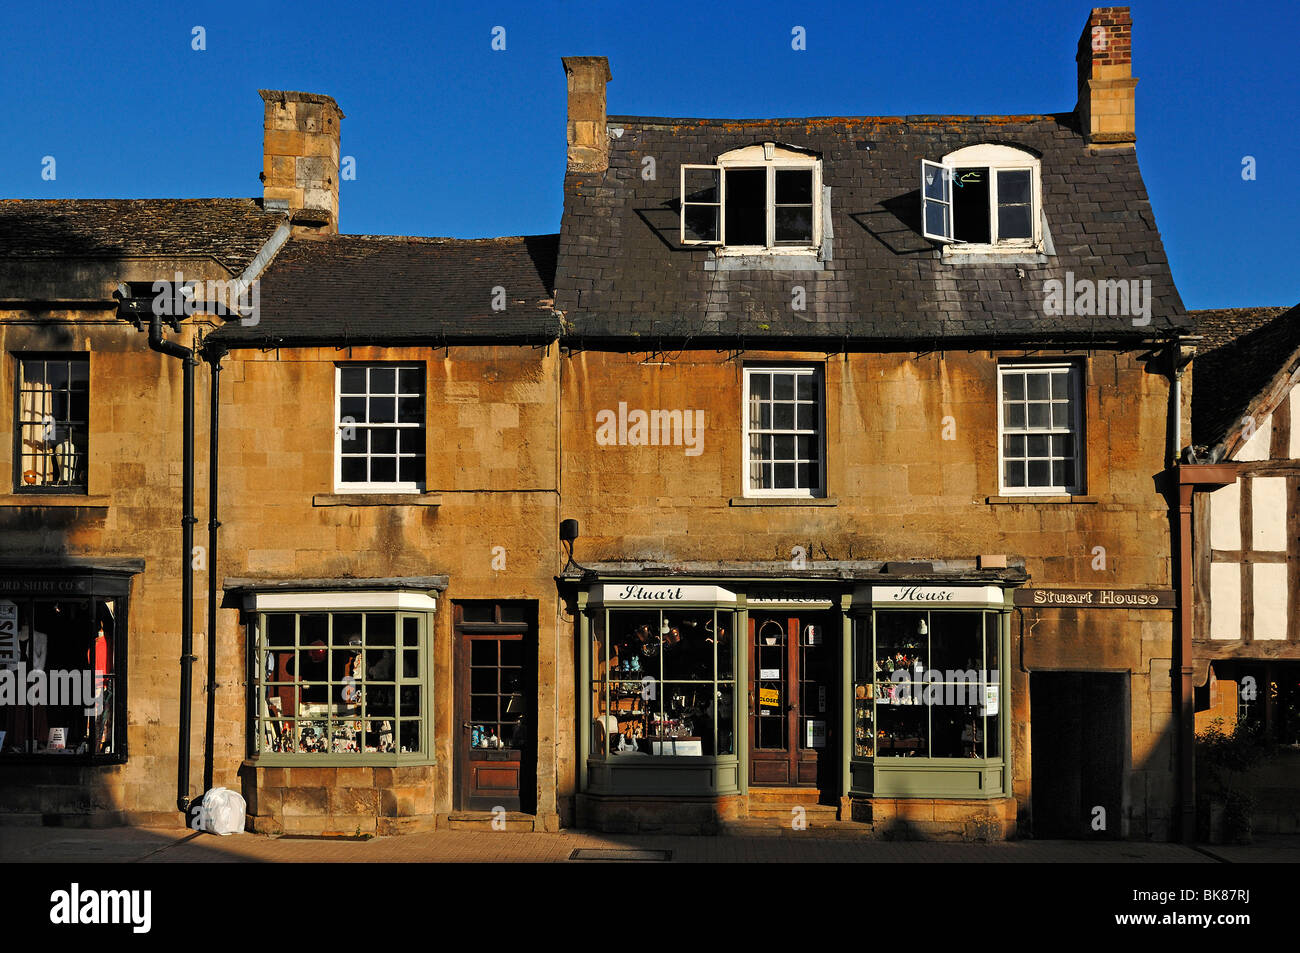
[1096, 598]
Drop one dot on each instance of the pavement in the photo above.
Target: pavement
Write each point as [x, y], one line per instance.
[153, 846]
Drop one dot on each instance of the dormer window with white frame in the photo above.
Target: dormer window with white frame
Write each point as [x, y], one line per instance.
[764, 198]
[983, 198]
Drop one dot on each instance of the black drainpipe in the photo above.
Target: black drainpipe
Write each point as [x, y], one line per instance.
[188, 360]
[214, 355]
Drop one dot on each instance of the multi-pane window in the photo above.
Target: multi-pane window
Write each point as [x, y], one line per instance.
[755, 198]
[663, 684]
[341, 683]
[53, 418]
[982, 195]
[380, 436]
[928, 685]
[783, 431]
[1040, 428]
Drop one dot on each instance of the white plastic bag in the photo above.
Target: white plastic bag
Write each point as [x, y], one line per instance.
[223, 812]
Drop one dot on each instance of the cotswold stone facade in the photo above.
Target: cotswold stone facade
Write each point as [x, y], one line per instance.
[691, 517]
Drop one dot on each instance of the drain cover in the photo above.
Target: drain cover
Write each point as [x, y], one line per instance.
[620, 853]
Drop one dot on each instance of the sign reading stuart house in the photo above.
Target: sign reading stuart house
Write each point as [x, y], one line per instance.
[1096, 598]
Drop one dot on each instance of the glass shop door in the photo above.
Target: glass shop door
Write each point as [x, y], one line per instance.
[791, 700]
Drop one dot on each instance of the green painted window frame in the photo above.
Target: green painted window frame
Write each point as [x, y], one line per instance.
[600, 627]
[423, 680]
[990, 616]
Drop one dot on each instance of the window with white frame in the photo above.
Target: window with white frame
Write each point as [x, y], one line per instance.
[986, 195]
[761, 198]
[379, 433]
[1040, 429]
[784, 432]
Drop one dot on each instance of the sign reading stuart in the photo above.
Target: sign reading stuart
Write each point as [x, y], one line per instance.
[1096, 598]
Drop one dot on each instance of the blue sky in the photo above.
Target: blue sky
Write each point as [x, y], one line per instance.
[453, 138]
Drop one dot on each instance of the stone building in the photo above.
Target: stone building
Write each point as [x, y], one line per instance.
[90, 552]
[865, 406]
[817, 472]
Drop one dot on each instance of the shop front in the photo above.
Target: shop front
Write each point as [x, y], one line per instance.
[341, 702]
[706, 702]
[64, 633]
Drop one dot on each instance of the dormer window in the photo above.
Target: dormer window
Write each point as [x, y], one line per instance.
[983, 197]
[761, 198]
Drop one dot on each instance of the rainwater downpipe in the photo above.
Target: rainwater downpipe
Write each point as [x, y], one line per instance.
[188, 361]
[214, 356]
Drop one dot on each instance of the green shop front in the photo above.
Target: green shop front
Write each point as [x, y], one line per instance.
[713, 702]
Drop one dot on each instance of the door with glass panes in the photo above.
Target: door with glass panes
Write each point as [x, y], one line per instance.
[495, 707]
[792, 700]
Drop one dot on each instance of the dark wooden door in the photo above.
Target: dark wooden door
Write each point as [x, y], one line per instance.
[1079, 740]
[792, 700]
[495, 713]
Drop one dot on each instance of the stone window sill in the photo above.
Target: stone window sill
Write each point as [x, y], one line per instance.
[377, 499]
[1040, 499]
[82, 500]
[783, 501]
[991, 255]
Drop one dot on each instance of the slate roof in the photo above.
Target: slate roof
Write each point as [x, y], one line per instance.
[1242, 353]
[357, 289]
[622, 273]
[232, 231]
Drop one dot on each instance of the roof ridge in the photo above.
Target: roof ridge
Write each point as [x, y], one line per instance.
[436, 239]
[983, 119]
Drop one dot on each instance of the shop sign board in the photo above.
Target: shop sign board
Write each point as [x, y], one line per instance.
[936, 596]
[660, 594]
[52, 585]
[1096, 598]
[793, 598]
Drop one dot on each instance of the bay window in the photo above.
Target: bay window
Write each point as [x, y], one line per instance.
[346, 683]
[663, 684]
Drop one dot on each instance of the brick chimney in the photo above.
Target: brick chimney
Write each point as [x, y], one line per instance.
[1106, 83]
[300, 159]
[588, 140]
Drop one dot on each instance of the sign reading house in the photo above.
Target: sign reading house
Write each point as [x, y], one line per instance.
[936, 596]
[1096, 598]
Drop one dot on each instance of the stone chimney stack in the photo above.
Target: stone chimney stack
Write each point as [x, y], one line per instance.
[1106, 83]
[588, 141]
[300, 159]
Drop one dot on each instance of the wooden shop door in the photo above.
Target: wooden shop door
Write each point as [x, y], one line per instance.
[1079, 742]
[495, 665]
[792, 700]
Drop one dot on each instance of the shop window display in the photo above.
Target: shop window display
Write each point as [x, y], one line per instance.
[663, 684]
[927, 685]
[341, 683]
[57, 676]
